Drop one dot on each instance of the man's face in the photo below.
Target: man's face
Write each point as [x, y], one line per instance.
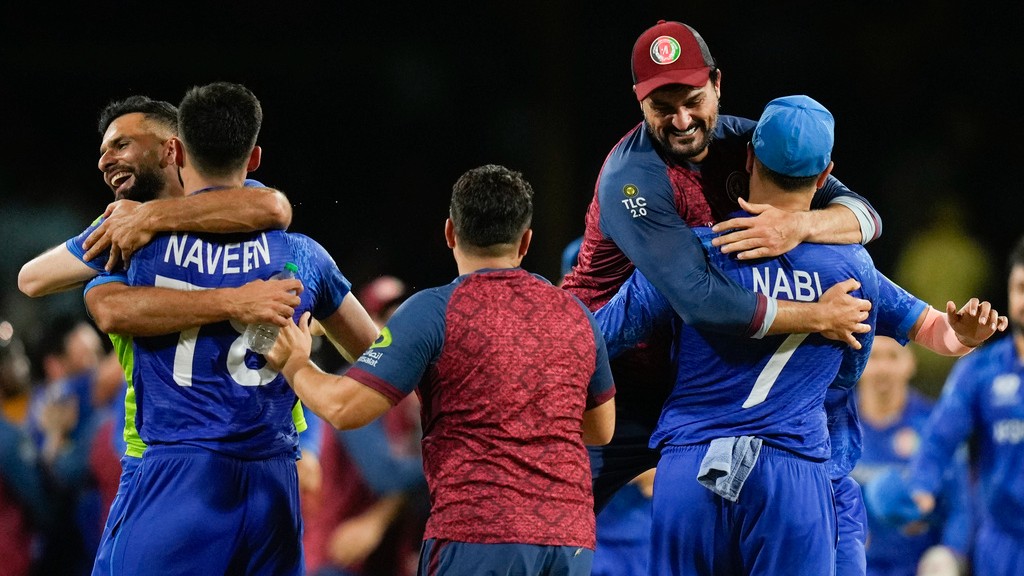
[133, 158]
[1015, 297]
[682, 118]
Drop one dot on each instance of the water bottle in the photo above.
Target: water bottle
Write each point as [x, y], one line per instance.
[260, 337]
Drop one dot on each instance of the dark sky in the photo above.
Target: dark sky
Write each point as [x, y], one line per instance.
[372, 111]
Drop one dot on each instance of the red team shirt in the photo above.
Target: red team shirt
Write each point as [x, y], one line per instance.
[505, 365]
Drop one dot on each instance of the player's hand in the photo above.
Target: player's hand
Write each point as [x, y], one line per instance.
[975, 322]
[266, 301]
[292, 348]
[844, 314]
[887, 499]
[124, 230]
[354, 539]
[769, 232]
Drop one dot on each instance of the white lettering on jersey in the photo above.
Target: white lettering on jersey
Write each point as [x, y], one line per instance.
[1008, 431]
[637, 206]
[802, 287]
[242, 257]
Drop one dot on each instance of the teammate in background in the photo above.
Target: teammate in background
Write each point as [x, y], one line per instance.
[514, 379]
[685, 165]
[983, 399]
[25, 506]
[220, 431]
[892, 416]
[63, 422]
[744, 440]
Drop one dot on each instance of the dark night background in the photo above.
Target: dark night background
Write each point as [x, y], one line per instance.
[373, 110]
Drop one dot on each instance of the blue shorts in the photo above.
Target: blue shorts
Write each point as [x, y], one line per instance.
[997, 553]
[193, 511]
[101, 566]
[446, 558]
[784, 522]
[853, 528]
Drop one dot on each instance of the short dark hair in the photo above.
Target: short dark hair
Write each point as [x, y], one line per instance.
[218, 124]
[786, 183]
[157, 110]
[491, 206]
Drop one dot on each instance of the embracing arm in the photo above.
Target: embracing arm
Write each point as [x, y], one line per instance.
[839, 216]
[151, 311]
[130, 225]
[55, 270]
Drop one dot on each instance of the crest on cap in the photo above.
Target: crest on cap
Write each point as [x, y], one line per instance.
[665, 50]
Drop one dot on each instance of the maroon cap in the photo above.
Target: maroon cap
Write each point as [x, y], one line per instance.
[669, 53]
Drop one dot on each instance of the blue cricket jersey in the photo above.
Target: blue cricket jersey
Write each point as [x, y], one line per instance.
[773, 388]
[982, 396]
[202, 387]
[891, 447]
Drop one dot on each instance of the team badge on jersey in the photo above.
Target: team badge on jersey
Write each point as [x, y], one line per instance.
[1004, 389]
[665, 50]
[384, 340]
[630, 190]
[905, 442]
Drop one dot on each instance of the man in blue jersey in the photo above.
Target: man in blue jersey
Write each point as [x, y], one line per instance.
[742, 480]
[901, 315]
[514, 379]
[136, 162]
[892, 415]
[983, 399]
[685, 165]
[217, 423]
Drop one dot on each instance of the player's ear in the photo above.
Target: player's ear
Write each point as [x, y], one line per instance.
[178, 152]
[524, 242]
[824, 175]
[449, 232]
[750, 159]
[254, 159]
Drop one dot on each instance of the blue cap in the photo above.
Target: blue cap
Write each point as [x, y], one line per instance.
[794, 136]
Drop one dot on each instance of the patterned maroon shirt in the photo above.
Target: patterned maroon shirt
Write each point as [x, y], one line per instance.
[505, 364]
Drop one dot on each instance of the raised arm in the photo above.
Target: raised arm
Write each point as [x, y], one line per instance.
[151, 311]
[55, 270]
[130, 225]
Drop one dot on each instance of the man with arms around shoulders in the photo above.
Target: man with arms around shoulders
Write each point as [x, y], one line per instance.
[685, 165]
[218, 424]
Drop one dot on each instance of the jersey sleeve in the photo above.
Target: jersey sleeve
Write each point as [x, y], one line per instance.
[956, 504]
[408, 345]
[835, 192]
[601, 387]
[638, 213]
[949, 424]
[630, 317]
[328, 283]
[898, 310]
[76, 246]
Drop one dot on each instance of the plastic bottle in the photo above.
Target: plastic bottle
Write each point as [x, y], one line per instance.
[260, 337]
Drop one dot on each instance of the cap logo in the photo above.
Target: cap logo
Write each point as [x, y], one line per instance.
[665, 50]
[630, 190]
